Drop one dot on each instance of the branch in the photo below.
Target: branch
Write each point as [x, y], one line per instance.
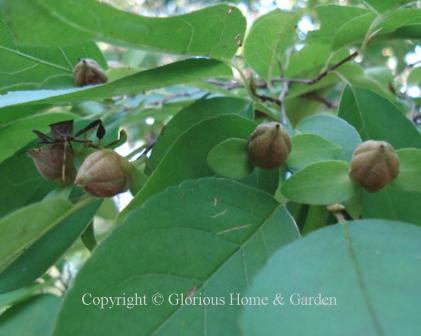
[174, 96]
[320, 99]
[321, 75]
[287, 82]
[261, 97]
[282, 96]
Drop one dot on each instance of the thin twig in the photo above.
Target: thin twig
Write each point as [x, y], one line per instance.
[320, 99]
[412, 65]
[337, 210]
[253, 86]
[146, 150]
[321, 75]
[282, 96]
[264, 98]
[173, 97]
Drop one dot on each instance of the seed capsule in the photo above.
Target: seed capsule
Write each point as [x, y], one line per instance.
[269, 146]
[54, 163]
[104, 173]
[88, 72]
[374, 164]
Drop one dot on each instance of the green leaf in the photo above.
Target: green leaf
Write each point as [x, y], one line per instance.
[42, 67]
[324, 182]
[269, 38]
[300, 107]
[409, 170]
[354, 30]
[167, 75]
[38, 257]
[316, 218]
[215, 31]
[19, 295]
[11, 114]
[381, 75]
[393, 203]
[21, 184]
[342, 25]
[368, 271]
[22, 228]
[186, 158]
[309, 60]
[212, 238]
[347, 70]
[333, 129]
[372, 115]
[412, 31]
[107, 210]
[193, 114]
[332, 17]
[414, 77]
[264, 179]
[16, 135]
[230, 159]
[33, 317]
[88, 237]
[310, 148]
[385, 5]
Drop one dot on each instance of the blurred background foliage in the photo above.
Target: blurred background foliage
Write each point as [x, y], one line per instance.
[387, 62]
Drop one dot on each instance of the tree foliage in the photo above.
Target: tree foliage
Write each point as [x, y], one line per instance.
[194, 218]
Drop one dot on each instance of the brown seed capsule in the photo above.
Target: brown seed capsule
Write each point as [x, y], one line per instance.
[374, 164]
[269, 146]
[88, 72]
[104, 173]
[50, 160]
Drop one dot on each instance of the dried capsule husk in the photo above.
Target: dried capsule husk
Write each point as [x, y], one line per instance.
[104, 173]
[374, 164]
[50, 160]
[269, 146]
[88, 72]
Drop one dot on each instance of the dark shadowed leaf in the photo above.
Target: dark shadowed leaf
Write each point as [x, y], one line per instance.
[33, 317]
[22, 228]
[392, 203]
[230, 159]
[21, 184]
[409, 177]
[37, 258]
[372, 115]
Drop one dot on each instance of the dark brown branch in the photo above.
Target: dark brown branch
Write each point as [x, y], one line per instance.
[146, 150]
[261, 97]
[287, 82]
[321, 75]
[314, 96]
